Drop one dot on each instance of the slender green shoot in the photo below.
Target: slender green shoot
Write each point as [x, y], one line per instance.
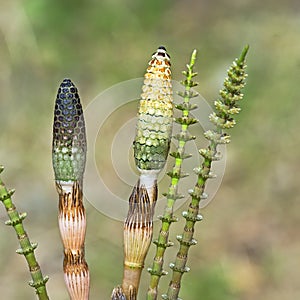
[172, 195]
[38, 282]
[225, 108]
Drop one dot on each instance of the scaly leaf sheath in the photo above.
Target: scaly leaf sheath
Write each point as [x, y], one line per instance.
[225, 108]
[138, 229]
[172, 195]
[27, 248]
[72, 225]
[69, 156]
[118, 294]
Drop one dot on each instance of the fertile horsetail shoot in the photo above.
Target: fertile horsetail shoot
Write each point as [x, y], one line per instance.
[151, 147]
[68, 157]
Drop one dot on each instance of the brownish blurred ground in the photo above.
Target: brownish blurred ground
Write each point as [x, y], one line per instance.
[248, 246]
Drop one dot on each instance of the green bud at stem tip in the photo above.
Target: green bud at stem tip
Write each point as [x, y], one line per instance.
[193, 58]
[243, 54]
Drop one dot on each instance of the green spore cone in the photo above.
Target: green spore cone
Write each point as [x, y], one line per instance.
[69, 137]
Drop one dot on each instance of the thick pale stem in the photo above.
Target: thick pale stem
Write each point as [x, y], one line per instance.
[72, 225]
[148, 179]
[138, 228]
[76, 274]
[71, 217]
[132, 276]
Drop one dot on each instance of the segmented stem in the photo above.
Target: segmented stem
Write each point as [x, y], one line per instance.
[72, 225]
[27, 248]
[69, 156]
[172, 195]
[225, 108]
[138, 229]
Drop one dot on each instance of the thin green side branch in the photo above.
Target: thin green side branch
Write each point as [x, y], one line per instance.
[172, 195]
[225, 108]
[27, 248]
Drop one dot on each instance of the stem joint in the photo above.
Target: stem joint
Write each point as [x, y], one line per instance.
[163, 245]
[28, 250]
[38, 284]
[179, 270]
[168, 219]
[157, 272]
[192, 218]
[7, 195]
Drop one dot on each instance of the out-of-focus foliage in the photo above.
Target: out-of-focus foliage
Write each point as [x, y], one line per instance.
[248, 241]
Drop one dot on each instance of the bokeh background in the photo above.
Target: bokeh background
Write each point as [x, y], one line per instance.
[248, 244]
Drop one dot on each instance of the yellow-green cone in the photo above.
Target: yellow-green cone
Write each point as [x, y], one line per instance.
[155, 115]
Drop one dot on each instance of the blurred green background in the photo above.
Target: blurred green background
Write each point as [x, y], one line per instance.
[248, 244]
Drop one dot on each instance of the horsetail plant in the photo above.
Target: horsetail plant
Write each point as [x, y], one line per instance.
[68, 157]
[225, 108]
[151, 147]
[38, 282]
[172, 195]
